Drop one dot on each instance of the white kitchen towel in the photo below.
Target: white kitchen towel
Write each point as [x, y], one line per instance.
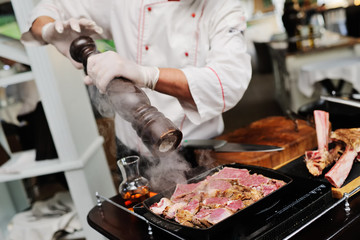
[44, 219]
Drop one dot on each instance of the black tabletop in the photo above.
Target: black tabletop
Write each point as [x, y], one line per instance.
[335, 223]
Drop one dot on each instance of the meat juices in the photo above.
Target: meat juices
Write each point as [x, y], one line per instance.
[219, 196]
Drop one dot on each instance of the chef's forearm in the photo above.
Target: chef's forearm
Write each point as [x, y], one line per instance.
[173, 82]
[38, 25]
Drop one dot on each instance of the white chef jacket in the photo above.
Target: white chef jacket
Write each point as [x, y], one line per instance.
[203, 38]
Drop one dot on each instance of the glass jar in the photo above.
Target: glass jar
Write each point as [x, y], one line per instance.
[134, 188]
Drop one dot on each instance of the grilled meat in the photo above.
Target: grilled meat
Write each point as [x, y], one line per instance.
[350, 136]
[217, 197]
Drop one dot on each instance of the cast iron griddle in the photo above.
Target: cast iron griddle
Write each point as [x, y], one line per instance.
[240, 218]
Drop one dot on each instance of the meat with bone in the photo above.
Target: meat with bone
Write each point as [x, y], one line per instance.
[218, 196]
[339, 172]
[348, 139]
[322, 126]
[318, 160]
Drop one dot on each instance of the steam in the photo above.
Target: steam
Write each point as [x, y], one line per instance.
[100, 102]
[205, 159]
[174, 169]
[168, 171]
[163, 172]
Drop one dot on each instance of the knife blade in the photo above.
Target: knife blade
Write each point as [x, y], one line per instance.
[224, 146]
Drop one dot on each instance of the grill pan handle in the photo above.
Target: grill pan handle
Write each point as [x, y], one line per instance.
[139, 209]
[157, 221]
[154, 219]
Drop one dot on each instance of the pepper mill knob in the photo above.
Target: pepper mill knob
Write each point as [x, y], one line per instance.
[82, 48]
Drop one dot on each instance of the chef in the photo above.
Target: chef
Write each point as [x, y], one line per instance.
[189, 56]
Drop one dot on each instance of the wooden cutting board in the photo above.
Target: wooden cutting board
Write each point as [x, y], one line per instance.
[275, 130]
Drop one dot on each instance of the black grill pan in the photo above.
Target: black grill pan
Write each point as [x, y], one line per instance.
[238, 222]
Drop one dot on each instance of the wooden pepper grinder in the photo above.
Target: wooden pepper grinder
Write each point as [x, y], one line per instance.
[157, 132]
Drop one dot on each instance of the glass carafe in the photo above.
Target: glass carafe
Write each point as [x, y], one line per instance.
[134, 188]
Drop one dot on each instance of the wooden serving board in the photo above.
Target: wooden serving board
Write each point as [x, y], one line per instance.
[275, 130]
[347, 187]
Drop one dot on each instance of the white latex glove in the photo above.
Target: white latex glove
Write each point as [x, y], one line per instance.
[104, 67]
[62, 33]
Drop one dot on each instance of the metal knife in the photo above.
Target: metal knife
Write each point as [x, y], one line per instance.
[224, 146]
[352, 103]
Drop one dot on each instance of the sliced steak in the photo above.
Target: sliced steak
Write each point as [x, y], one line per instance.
[277, 183]
[182, 190]
[217, 197]
[228, 173]
[209, 217]
[200, 218]
[268, 188]
[216, 187]
[193, 206]
[218, 215]
[235, 205]
[215, 202]
[253, 180]
[159, 207]
[185, 215]
[171, 210]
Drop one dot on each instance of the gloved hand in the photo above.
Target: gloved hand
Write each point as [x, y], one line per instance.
[62, 33]
[104, 67]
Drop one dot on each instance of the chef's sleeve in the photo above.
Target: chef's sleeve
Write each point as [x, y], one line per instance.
[220, 84]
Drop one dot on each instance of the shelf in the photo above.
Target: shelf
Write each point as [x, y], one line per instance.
[13, 49]
[16, 78]
[28, 167]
